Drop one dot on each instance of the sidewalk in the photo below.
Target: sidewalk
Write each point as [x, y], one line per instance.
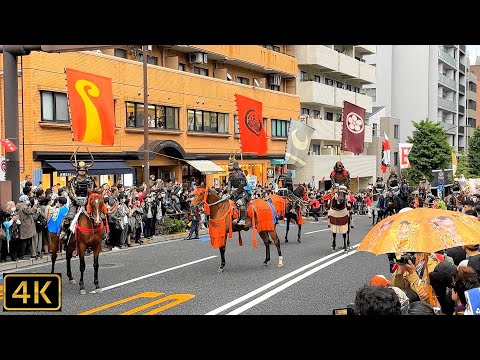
[60, 256]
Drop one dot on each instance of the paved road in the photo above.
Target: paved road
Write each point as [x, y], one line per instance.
[179, 277]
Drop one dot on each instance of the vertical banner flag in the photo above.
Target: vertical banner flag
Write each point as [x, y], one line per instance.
[454, 162]
[250, 125]
[353, 133]
[91, 107]
[405, 149]
[385, 153]
[298, 143]
[8, 145]
[3, 168]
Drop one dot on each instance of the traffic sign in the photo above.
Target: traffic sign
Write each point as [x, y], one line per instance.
[441, 188]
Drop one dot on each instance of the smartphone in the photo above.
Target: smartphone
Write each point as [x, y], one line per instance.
[343, 311]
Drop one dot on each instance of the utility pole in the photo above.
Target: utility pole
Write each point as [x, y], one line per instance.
[146, 164]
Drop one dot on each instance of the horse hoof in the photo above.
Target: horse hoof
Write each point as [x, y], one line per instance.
[265, 263]
[96, 291]
[286, 240]
[280, 264]
[83, 292]
[298, 240]
[72, 281]
[220, 270]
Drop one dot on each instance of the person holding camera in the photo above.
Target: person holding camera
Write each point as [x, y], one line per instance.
[411, 273]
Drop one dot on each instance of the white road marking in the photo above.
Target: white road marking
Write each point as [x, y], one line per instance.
[273, 283]
[287, 284]
[156, 273]
[311, 232]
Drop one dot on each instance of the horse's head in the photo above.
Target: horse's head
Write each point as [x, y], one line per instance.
[95, 207]
[199, 195]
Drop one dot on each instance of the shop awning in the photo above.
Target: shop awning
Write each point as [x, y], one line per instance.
[100, 167]
[206, 166]
[277, 161]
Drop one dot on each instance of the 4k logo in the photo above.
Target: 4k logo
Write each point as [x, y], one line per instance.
[32, 292]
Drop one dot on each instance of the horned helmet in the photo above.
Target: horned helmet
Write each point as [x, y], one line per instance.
[338, 166]
[233, 163]
[81, 165]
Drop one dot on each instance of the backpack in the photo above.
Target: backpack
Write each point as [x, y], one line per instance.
[40, 223]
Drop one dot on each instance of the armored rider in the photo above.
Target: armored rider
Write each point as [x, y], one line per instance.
[424, 186]
[456, 188]
[393, 182]
[237, 188]
[339, 175]
[79, 188]
[380, 185]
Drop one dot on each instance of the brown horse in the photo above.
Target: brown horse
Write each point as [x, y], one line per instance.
[89, 232]
[221, 224]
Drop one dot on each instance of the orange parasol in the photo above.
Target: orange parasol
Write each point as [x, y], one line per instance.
[421, 230]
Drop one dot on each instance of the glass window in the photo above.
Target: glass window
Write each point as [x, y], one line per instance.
[280, 128]
[172, 118]
[151, 116]
[395, 131]
[61, 107]
[305, 111]
[122, 53]
[200, 71]
[47, 106]
[395, 158]
[236, 129]
[329, 116]
[139, 115]
[275, 87]
[160, 117]
[198, 120]
[222, 123]
[206, 121]
[152, 60]
[130, 114]
[214, 121]
[265, 125]
[317, 79]
[191, 120]
[181, 67]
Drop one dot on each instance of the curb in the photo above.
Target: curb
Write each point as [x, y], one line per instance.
[60, 256]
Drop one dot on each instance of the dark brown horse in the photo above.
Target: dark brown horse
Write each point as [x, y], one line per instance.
[89, 232]
[221, 224]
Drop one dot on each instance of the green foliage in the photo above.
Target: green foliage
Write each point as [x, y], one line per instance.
[464, 166]
[441, 205]
[473, 157]
[170, 225]
[430, 150]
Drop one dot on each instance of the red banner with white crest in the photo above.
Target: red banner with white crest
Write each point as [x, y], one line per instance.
[353, 133]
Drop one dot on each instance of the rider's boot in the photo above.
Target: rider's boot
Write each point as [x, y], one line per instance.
[241, 219]
[65, 232]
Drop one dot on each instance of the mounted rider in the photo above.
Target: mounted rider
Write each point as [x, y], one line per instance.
[237, 187]
[393, 182]
[380, 185]
[340, 176]
[456, 187]
[424, 186]
[79, 188]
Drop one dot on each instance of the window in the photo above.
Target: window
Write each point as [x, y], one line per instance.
[200, 71]
[315, 149]
[316, 114]
[207, 121]
[280, 128]
[181, 67]
[348, 87]
[304, 76]
[243, 80]
[395, 131]
[374, 129]
[122, 53]
[152, 60]
[275, 87]
[356, 89]
[339, 84]
[395, 159]
[329, 116]
[305, 111]
[54, 106]
[329, 81]
[265, 125]
[236, 129]
[276, 48]
[159, 117]
[317, 79]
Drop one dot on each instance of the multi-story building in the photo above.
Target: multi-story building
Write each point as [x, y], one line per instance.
[416, 82]
[191, 111]
[472, 98]
[328, 76]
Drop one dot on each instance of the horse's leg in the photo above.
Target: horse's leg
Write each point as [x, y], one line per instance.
[69, 253]
[334, 241]
[53, 249]
[222, 256]
[276, 241]
[264, 236]
[287, 217]
[96, 250]
[299, 232]
[81, 255]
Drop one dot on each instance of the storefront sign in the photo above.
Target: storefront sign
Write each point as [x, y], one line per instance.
[270, 172]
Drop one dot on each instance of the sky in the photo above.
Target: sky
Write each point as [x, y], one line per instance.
[473, 51]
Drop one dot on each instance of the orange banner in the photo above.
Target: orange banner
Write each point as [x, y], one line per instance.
[250, 124]
[91, 107]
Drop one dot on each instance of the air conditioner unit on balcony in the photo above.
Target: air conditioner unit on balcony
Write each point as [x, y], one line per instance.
[275, 79]
[197, 58]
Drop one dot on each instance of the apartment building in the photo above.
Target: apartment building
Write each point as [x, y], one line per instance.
[328, 75]
[192, 110]
[472, 98]
[415, 82]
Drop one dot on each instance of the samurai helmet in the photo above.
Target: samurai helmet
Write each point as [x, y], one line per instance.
[233, 162]
[81, 165]
[338, 166]
[379, 179]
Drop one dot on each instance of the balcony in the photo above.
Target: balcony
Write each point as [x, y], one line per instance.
[364, 101]
[461, 88]
[472, 113]
[461, 67]
[348, 65]
[445, 80]
[366, 72]
[461, 109]
[332, 131]
[254, 57]
[461, 130]
[463, 48]
[447, 104]
[314, 93]
[318, 56]
[342, 95]
[321, 166]
[450, 60]
[365, 49]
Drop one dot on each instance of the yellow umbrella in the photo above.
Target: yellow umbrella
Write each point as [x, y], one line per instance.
[421, 230]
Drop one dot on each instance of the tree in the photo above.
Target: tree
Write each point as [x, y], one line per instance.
[473, 154]
[464, 166]
[430, 150]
